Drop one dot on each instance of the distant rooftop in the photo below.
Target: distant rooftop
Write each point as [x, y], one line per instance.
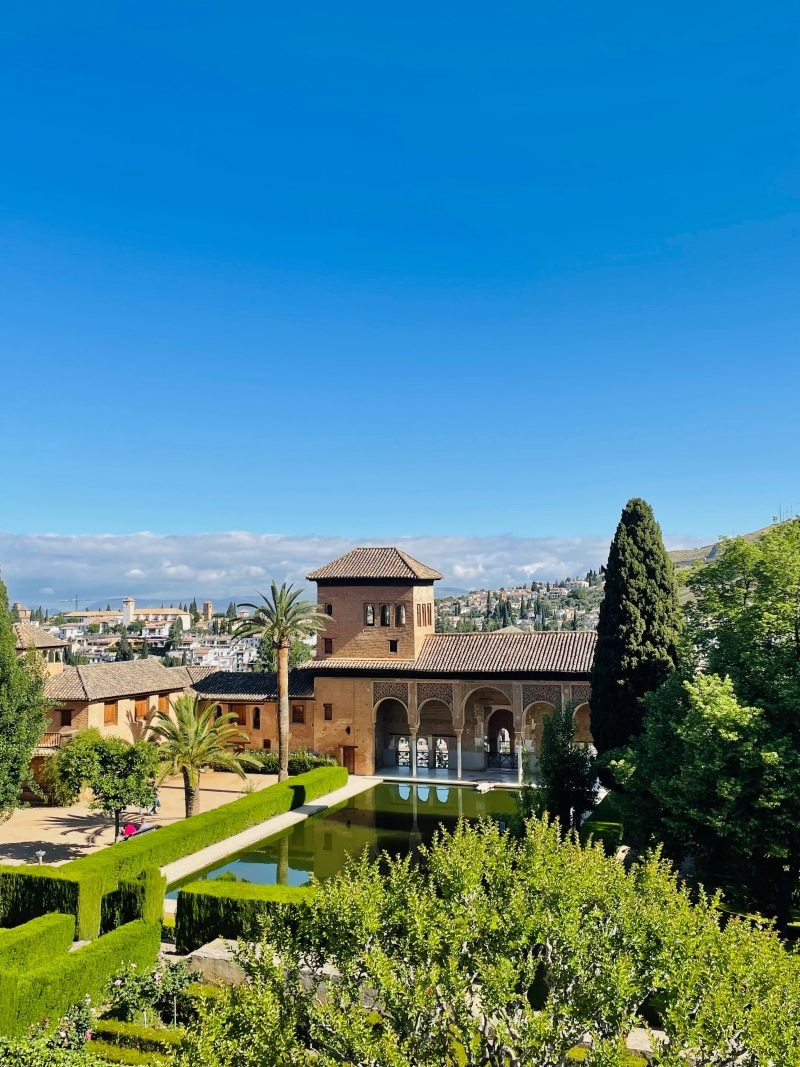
[27, 636]
[374, 563]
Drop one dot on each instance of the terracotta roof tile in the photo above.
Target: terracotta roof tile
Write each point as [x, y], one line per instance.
[255, 685]
[108, 681]
[374, 563]
[27, 635]
[531, 653]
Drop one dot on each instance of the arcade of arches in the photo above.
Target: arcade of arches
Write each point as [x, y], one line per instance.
[484, 731]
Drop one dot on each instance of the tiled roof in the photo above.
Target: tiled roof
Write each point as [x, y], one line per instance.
[108, 681]
[374, 563]
[568, 652]
[27, 635]
[253, 686]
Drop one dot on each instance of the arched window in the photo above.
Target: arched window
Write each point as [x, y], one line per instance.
[369, 614]
[386, 614]
[403, 752]
[400, 615]
[256, 718]
[503, 740]
[329, 609]
[423, 755]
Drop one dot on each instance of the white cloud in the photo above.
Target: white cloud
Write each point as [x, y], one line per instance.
[101, 567]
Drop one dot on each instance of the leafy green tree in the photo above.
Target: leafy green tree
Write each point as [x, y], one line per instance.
[566, 771]
[145, 649]
[267, 660]
[497, 951]
[120, 775]
[196, 738]
[230, 612]
[638, 627]
[23, 709]
[175, 633]
[74, 659]
[124, 650]
[283, 618]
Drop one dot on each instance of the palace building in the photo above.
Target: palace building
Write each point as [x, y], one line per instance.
[385, 691]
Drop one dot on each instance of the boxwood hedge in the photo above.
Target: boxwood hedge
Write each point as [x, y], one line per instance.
[48, 991]
[221, 908]
[36, 942]
[132, 1035]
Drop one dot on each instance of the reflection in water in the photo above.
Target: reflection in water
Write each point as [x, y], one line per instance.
[391, 818]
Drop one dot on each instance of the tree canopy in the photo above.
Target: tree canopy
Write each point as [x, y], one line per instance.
[637, 630]
[23, 709]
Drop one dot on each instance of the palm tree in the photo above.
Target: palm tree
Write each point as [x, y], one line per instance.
[283, 618]
[198, 737]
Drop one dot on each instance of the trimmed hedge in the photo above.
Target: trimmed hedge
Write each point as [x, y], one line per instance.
[31, 995]
[605, 824]
[126, 860]
[109, 1053]
[35, 942]
[140, 898]
[132, 1035]
[78, 887]
[221, 908]
[28, 892]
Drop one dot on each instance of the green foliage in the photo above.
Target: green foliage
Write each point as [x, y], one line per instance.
[195, 736]
[36, 942]
[221, 908]
[141, 897]
[28, 892]
[136, 1036]
[267, 657]
[124, 650]
[150, 993]
[299, 762]
[27, 997]
[566, 770]
[281, 620]
[605, 824]
[638, 628]
[110, 1053]
[119, 774]
[23, 710]
[37, 1052]
[496, 951]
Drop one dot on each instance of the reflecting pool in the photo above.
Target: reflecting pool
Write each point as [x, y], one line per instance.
[390, 817]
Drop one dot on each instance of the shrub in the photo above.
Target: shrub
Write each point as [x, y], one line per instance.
[132, 1035]
[300, 762]
[138, 898]
[605, 824]
[155, 992]
[48, 991]
[28, 892]
[36, 942]
[221, 908]
[103, 1053]
[37, 1052]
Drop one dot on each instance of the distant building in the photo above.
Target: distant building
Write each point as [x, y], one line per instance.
[51, 649]
[130, 613]
[208, 610]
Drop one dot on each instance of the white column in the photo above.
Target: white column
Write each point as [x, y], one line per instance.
[413, 755]
[519, 760]
[458, 753]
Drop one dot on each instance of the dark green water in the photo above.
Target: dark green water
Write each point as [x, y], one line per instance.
[390, 817]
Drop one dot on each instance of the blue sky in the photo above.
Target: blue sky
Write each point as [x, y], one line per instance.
[371, 272]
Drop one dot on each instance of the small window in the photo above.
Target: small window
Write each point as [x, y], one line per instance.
[400, 615]
[110, 712]
[419, 614]
[386, 614]
[266, 743]
[256, 718]
[428, 613]
[329, 609]
[392, 646]
[241, 715]
[66, 716]
[298, 713]
[327, 644]
[163, 703]
[328, 711]
[141, 709]
[369, 614]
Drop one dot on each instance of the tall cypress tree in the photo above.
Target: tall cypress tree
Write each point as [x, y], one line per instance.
[637, 630]
[23, 709]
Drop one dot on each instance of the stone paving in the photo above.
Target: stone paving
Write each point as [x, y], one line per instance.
[64, 834]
